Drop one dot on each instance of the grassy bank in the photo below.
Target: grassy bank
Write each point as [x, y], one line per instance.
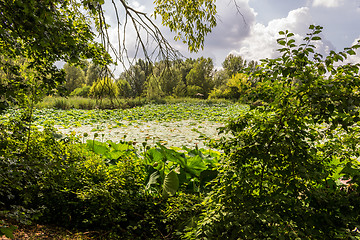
[66, 103]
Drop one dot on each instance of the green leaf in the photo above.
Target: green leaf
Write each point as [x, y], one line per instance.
[196, 165]
[351, 52]
[170, 185]
[153, 179]
[120, 146]
[291, 41]
[98, 147]
[316, 38]
[113, 155]
[281, 42]
[154, 155]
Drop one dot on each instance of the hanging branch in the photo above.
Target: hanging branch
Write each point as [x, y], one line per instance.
[149, 41]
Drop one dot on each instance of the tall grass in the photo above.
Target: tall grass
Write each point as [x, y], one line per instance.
[90, 103]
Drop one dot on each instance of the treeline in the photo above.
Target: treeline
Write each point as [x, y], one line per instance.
[178, 78]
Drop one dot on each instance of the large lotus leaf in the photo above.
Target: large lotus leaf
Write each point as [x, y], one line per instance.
[170, 185]
[209, 157]
[120, 146]
[98, 147]
[193, 152]
[173, 156]
[114, 155]
[196, 165]
[154, 155]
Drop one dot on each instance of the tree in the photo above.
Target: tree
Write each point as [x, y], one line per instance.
[61, 30]
[136, 76]
[220, 78]
[200, 76]
[234, 64]
[74, 77]
[94, 72]
[104, 88]
[167, 76]
[46, 31]
[124, 88]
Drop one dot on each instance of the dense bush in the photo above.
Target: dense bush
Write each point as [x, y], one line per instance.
[280, 176]
[81, 91]
[105, 187]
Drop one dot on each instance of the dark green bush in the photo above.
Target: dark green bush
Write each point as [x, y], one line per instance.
[280, 176]
[59, 181]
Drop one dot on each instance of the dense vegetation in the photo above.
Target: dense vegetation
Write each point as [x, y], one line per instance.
[194, 78]
[287, 169]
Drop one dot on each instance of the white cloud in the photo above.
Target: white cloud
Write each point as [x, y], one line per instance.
[261, 43]
[327, 3]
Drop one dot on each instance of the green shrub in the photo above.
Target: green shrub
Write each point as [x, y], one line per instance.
[27, 155]
[280, 176]
[217, 93]
[81, 92]
[181, 213]
[62, 103]
[61, 182]
[192, 90]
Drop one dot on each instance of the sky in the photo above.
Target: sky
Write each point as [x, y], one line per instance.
[253, 35]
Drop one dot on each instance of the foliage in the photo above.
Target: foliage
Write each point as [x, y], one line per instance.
[20, 86]
[191, 20]
[200, 76]
[7, 230]
[93, 73]
[26, 156]
[42, 33]
[233, 64]
[279, 179]
[220, 78]
[74, 77]
[166, 76]
[170, 169]
[81, 91]
[153, 88]
[238, 86]
[124, 88]
[87, 103]
[136, 76]
[104, 88]
[59, 181]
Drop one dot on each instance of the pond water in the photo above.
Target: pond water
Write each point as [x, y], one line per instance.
[176, 133]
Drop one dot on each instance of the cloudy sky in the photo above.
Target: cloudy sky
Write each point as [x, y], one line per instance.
[255, 38]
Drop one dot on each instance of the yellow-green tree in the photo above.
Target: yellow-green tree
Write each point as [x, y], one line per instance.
[104, 88]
